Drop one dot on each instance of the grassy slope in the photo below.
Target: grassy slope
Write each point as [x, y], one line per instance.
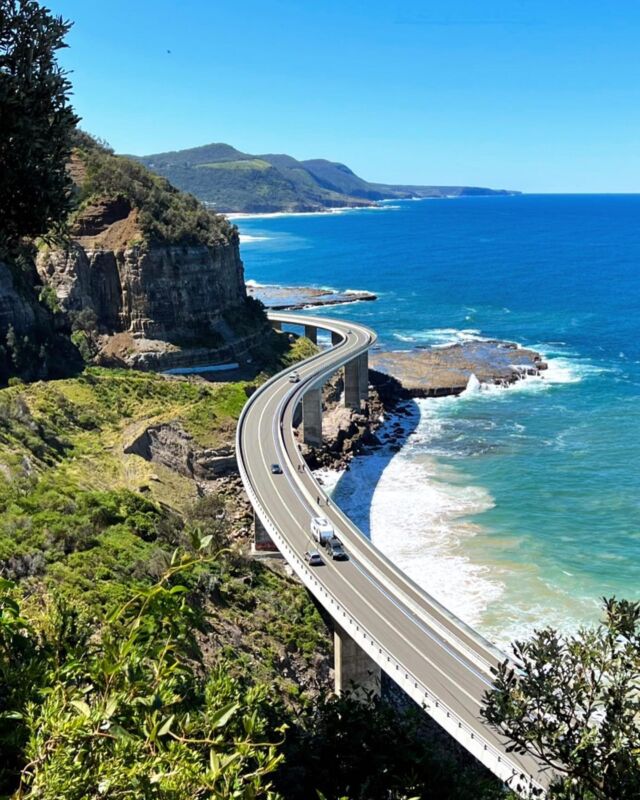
[84, 523]
[80, 518]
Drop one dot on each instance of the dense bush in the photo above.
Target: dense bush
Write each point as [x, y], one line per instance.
[130, 713]
[574, 704]
[165, 214]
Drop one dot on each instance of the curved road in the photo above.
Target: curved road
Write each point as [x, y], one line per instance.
[440, 662]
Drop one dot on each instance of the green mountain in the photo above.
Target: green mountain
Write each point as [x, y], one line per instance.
[230, 180]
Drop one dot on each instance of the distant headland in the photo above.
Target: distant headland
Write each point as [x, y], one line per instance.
[229, 180]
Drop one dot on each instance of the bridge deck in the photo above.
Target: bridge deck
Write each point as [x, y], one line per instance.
[438, 660]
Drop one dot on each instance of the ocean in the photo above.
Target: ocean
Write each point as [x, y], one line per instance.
[516, 507]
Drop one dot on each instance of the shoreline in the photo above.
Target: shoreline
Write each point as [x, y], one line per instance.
[275, 297]
[327, 212]
[423, 511]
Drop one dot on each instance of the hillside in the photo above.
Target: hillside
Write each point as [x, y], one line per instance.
[230, 180]
[211, 654]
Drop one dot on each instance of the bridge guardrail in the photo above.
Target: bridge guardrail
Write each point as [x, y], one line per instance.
[484, 751]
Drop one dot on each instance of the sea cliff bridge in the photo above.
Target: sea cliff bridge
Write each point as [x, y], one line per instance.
[382, 620]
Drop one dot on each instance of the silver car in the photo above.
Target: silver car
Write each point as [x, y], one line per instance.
[313, 558]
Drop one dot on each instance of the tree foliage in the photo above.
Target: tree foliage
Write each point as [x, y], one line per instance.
[165, 214]
[130, 713]
[575, 705]
[37, 121]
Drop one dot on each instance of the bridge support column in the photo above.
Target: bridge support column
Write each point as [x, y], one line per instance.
[335, 338]
[276, 325]
[262, 542]
[312, 417]
[363, 375]
[352, 384]
[353, 668]
[311, 332]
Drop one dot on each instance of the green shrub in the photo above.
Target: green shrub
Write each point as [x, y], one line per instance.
[165, 214]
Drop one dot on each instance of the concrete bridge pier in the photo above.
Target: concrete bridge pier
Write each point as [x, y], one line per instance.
[356, 382]
[311, 332]
[353, 668]
[363, 375]
[276, 325]
[262, 542]
[352, 384]
[312, 417]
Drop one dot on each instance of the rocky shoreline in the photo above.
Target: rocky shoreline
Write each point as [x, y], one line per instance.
[441, 371]
[294, 298]
[396, 378]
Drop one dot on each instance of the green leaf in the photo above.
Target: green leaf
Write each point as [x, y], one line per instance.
[11, 715]
[223, 715]
[82, 707]
[164, 729]
[110, 708]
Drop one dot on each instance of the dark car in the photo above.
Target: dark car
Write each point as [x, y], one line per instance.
[313, 558]
[276, 469]
[336, 550]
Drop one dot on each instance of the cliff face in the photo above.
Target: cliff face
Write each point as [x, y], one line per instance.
[152, 291]
[152, 277]
[169, 302]
[15, 309]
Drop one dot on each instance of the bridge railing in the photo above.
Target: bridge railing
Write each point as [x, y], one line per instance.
[448, 719]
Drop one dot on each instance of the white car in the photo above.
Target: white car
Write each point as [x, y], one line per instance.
[294, 378]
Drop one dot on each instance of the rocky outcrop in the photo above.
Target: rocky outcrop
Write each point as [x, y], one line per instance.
[296, 297]
[172, 303]
[157, 292]
[170, 445]
[345, 431]
[440, 371]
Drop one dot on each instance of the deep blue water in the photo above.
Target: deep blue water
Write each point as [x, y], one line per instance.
[521, 506]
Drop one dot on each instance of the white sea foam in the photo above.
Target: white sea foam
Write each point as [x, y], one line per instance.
[325, 213]
[255, 285]
[245, 238]
[441, 337]
[417, 517]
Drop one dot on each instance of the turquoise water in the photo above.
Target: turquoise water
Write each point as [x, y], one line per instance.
[516, 507]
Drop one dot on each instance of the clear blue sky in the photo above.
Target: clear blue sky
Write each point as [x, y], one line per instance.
[539, 96]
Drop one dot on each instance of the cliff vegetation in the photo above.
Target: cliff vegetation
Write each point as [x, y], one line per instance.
[164, 215]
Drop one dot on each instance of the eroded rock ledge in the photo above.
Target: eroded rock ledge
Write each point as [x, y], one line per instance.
[439, 371]
[169, 444]
[277, 298]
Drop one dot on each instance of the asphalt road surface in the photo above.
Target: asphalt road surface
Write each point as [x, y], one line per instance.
[441, 662]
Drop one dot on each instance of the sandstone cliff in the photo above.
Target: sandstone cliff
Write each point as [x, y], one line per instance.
[153, 277]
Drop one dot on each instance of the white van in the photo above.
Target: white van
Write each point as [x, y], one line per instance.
[321, 530]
